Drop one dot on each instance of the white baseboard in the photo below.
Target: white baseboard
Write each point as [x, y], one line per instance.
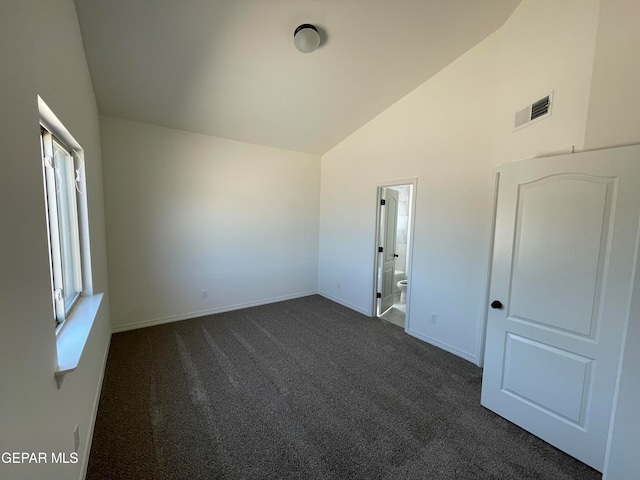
[444, 346]
[345, 304]
[226, 308]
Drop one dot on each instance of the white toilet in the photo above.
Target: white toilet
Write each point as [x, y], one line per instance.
[402, 285]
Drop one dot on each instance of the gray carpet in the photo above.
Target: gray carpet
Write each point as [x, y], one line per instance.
[302, 389]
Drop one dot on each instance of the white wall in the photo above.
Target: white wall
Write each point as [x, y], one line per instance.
[449, 133]
[614, 119]
[614, 105]
[41, 53]
[545, 45]
[189, 212]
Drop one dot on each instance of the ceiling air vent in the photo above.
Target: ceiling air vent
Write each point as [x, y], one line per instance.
[538, 110]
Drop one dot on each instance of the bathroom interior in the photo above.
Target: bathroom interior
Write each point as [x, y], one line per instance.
[396, 314]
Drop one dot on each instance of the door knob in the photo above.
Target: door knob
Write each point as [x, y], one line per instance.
[395, 254]
[496, 304]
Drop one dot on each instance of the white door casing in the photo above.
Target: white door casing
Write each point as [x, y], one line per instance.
[565, 250]
[388, 244]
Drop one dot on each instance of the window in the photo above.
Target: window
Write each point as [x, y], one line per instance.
[75, 305]
[61, 169]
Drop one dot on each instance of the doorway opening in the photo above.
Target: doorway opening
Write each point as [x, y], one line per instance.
[394, 228]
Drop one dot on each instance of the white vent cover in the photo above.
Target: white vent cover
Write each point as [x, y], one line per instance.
[538, 110]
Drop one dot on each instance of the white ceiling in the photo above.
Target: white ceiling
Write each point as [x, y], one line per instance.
[228, 68]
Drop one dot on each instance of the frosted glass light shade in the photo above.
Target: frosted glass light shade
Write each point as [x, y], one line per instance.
[306, 38]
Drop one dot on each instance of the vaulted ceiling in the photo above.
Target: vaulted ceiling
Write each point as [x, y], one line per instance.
[229, 68]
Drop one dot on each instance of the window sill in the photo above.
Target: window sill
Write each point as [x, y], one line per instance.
[74, 334]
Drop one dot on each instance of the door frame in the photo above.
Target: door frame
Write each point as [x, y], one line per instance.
[482, 334]
[413, 183]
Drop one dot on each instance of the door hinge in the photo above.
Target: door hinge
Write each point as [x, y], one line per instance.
[380, 249]
[383, 201]
[378, 295]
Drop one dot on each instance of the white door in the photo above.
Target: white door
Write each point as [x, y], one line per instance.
[564, 253]
[390, 226]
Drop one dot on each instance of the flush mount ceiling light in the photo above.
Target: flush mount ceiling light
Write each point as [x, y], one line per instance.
[306, 38]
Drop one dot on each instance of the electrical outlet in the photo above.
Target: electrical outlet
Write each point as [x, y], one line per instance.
[339, 286]
[433, 317]
[76, 439]
[205, 293]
